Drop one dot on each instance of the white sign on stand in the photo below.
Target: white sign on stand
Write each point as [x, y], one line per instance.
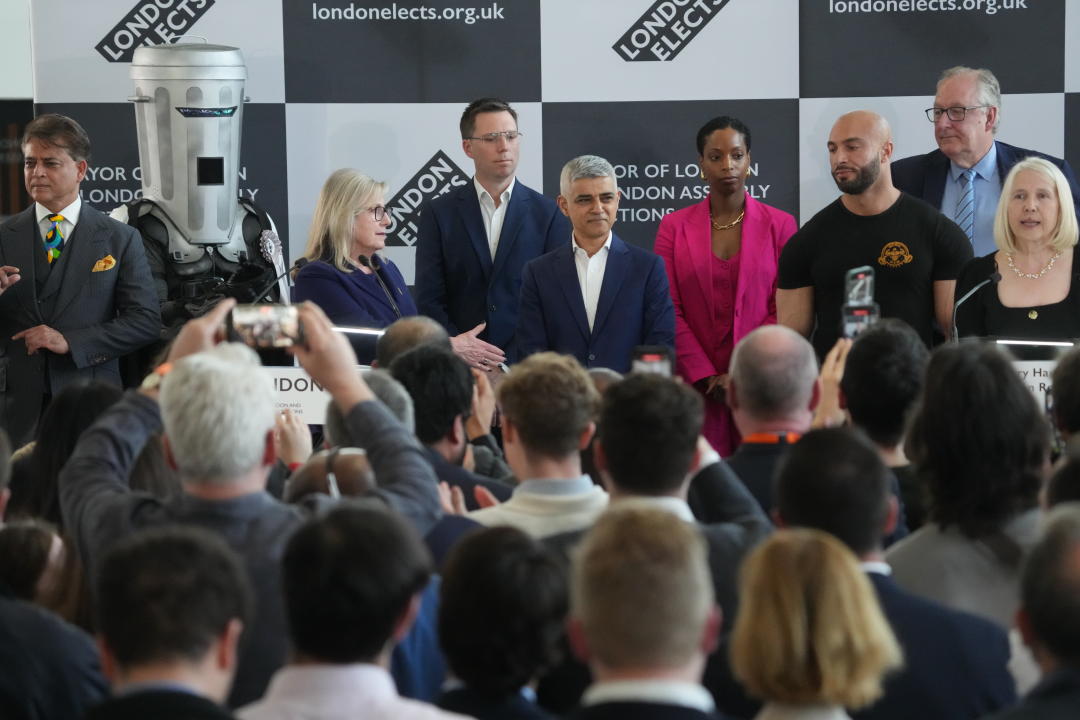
[297, 392]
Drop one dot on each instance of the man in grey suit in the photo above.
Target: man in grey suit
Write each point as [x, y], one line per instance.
[75, 289]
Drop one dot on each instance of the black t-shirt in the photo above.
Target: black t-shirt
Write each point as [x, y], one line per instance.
[910, 246]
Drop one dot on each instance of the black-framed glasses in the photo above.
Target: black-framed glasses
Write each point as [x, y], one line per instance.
[378, 212]
[957, 113]
[493, 137]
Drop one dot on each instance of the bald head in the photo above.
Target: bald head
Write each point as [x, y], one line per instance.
[407, 333]
[774, 376]
[860, 147]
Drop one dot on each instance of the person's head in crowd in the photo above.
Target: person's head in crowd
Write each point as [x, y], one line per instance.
[390, 393]
[218, 416]
[965, 113]
[490, 137]
[833, 480]
[810, 630]
[503, 603]
[641, 597]
[1049, 615]
[337, 472]
[860, 148]
[1065, 393]
[5, 472]
[978, 440]
[882, 377]
[344, 224]
[773, 384]
[353, 580]
[152, 473]
[171, 605]
[1035, 189]
[589, 196]
[56, 150]
[32, 561]
[441, 388]
[407, 333]
[72, 410]
[549, 407]
[603, 378]
[648, 433]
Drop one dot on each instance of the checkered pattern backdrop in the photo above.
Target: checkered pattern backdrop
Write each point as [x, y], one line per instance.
[380, 85]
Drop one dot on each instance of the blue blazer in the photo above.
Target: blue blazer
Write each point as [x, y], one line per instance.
[353, 299]
[924, 175]
[457, 283]
[634, 309]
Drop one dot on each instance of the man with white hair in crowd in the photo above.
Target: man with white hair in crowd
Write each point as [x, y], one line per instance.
[217, 411]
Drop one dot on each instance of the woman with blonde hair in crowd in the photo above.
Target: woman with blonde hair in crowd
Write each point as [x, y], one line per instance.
[810, 639]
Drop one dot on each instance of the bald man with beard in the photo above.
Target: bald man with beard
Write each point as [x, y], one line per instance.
[916, 252]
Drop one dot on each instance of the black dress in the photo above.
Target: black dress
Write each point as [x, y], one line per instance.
[983, 315]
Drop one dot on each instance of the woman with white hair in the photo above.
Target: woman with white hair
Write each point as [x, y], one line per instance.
[1035, 229]
[344, 275]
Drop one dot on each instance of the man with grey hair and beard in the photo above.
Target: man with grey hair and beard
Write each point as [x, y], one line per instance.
[915, 251]
[596, 297]
[217, 411]
[964, 175]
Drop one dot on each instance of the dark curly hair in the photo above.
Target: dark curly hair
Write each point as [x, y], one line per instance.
[504, 598]
[978, 440]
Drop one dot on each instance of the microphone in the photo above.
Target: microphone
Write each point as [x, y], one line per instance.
[373, 266]
[300, 262]
[995, 277]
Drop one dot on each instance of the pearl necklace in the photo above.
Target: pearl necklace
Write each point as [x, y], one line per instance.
[733, 223]
[1032, 276]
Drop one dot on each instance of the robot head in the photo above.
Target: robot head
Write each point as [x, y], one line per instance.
[189, 103]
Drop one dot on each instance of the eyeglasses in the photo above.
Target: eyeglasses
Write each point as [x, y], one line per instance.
[956, 113]
[378, 212]
[493, 137]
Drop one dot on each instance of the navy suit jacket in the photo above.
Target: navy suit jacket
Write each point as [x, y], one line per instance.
[104, 309]
[924, 175]
[634, 308]
[353, 298]
[457, 283]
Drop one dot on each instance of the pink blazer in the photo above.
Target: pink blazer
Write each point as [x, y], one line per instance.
[685, 244]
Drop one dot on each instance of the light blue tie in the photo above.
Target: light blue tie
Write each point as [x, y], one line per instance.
[965, 206]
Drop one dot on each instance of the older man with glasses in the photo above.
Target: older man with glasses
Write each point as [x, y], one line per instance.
[963, 177]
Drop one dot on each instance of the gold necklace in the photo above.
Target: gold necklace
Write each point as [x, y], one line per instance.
[733, 223]
[1032, 276]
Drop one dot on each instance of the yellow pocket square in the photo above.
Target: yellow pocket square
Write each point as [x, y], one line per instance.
[106, 263]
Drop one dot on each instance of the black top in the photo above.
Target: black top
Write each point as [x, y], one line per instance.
[983, 315]
[910, 246]
[160, 704]
[482, 707]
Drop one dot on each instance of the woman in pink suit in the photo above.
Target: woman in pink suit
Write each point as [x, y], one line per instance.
[721, 256]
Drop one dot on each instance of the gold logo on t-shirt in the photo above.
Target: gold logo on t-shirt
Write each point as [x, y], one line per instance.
[894, 255]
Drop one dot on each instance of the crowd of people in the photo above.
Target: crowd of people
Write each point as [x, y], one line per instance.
[503, 518]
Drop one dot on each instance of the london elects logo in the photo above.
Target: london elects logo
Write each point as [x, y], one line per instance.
[666, 28]
[436, 177]
[151, 22]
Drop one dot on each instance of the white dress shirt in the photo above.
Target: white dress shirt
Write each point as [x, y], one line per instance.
[493, 216]
[590, 275]
[67, 225]
[660, 692]
[337, 692]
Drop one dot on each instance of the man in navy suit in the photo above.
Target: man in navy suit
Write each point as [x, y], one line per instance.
[965, 116]
[474, 240]
[76, 288]
[954, 663]
[594, 297]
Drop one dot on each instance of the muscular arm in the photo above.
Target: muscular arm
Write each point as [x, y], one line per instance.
[795, 309]
[943, 304]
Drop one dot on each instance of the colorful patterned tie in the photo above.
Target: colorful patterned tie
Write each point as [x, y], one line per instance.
[965, 206]
[54, 238]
